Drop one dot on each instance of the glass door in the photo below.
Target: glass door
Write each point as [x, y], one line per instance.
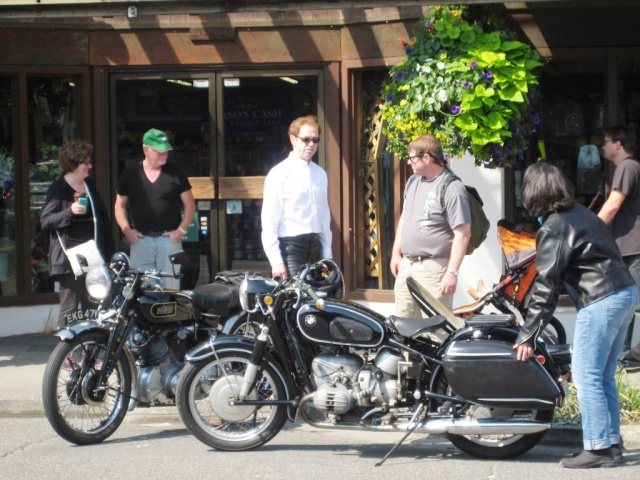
[177, 104]
[256, 110]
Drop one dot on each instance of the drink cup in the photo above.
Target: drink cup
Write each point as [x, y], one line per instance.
[84, 201]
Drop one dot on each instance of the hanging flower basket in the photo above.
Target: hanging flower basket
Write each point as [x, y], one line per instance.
[469, 87]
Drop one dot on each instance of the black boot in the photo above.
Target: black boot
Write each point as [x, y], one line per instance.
[616, 452]
[590, 459]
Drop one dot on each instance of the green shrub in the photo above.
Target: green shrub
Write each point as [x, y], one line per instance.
[629, 395]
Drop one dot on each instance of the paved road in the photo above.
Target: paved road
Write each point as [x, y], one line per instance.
[159, 447]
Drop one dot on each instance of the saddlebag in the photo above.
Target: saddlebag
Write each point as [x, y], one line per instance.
[487, 372]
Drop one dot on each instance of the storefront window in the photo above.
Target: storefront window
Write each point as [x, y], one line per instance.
[52, 120]
[572, 109]
[8, 282]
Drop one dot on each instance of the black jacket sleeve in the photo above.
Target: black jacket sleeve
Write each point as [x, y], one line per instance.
[551, 263]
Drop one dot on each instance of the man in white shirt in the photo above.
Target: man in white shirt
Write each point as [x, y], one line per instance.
[296, 221]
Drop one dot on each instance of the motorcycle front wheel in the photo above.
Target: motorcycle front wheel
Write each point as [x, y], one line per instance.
[203, 397]
[78, 409]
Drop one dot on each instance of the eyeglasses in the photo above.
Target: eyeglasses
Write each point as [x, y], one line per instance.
[306, 140]
[411, 157]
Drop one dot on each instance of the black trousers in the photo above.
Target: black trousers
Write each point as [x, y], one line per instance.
[74, 300]
[300, 250]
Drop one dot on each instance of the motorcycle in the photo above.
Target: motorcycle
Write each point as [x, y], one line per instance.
[512, 293]
[339, 365]
[133, 352]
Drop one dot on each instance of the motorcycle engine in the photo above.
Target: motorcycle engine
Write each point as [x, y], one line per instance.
[344, 380]
[158, 372]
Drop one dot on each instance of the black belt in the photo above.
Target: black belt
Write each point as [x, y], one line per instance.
[413, 259]
[301, 238]
[153, 234]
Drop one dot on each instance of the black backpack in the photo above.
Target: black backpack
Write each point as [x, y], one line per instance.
[479, 222]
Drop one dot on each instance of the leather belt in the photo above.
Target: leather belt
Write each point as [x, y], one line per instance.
[413, 259]
[153, 234]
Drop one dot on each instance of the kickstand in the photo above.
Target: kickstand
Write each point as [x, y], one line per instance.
[414, 425]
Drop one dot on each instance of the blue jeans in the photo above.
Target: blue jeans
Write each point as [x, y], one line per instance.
[152, 253]
[599, 333]
[633, 262]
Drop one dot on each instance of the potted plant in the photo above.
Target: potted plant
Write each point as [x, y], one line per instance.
[470, 85]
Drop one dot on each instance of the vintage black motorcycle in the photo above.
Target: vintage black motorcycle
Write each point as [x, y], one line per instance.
[132, 353]
[339, 365]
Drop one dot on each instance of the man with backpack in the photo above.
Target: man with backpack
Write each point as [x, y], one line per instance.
[434, 228]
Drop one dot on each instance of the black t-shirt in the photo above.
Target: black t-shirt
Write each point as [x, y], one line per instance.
[154, 207]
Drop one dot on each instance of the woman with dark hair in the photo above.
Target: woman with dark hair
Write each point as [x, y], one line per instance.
[70, 221]
[575, 248]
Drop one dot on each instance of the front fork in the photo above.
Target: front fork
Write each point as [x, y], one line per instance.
[250, 375]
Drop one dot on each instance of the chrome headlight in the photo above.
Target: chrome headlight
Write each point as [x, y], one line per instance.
[252, 286]
[98, 282]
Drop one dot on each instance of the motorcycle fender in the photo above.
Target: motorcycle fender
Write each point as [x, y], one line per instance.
[74, 330]
[238, 344]
[206, 349]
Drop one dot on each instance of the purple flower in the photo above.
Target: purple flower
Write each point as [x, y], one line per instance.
[473, 65]
[390, 98]
[455, 109]
[404, 137]
[467, 85]
[428, 25]
[536, 119]
[408, 50]
[488, 74]
[399, 75]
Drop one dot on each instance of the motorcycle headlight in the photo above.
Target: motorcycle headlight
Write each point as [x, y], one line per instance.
[98, 282]
[252, 286]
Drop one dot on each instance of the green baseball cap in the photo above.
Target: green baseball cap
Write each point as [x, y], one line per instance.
[157, 140]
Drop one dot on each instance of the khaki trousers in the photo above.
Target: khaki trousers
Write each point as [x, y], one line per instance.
[429, 274]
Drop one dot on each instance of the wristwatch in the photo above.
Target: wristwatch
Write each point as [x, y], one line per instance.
[182, 230]
[453, 271]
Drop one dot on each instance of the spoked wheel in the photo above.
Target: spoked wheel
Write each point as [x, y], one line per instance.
[78, 409]
[501, 446]
[204, 393]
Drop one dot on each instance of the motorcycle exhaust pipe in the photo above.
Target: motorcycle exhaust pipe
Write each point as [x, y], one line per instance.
[455, 426]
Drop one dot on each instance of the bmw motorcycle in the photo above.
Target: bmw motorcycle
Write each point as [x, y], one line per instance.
[338, 365]
[133, 352]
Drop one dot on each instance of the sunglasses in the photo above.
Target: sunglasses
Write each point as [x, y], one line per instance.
[306, 140]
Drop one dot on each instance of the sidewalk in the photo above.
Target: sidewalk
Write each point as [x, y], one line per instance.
[23, 359]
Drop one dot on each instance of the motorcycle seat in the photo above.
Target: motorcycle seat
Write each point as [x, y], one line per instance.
[417, 327]
[214, 296]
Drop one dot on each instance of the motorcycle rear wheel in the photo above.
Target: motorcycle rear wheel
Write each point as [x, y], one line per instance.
[495, 446]
[203, 394]
[76, 410]
[503, 446]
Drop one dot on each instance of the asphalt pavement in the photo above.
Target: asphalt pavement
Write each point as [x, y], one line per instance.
[23, 359]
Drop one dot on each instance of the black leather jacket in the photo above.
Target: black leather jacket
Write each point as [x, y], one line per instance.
[576, 248]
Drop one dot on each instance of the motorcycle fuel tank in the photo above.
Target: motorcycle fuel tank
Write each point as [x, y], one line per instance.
[162, 307]
[341, 323]
[487, 372]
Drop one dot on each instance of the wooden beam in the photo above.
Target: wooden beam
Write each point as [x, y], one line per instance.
[232, 188]
[203, 188]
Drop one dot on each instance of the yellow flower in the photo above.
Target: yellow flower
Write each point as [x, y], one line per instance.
[454, 13]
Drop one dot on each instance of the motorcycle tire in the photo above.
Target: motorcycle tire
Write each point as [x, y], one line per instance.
[203, 395]
[497, 447]
[77, 411]
[244, 326]
[556, 329]
[502, 447]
